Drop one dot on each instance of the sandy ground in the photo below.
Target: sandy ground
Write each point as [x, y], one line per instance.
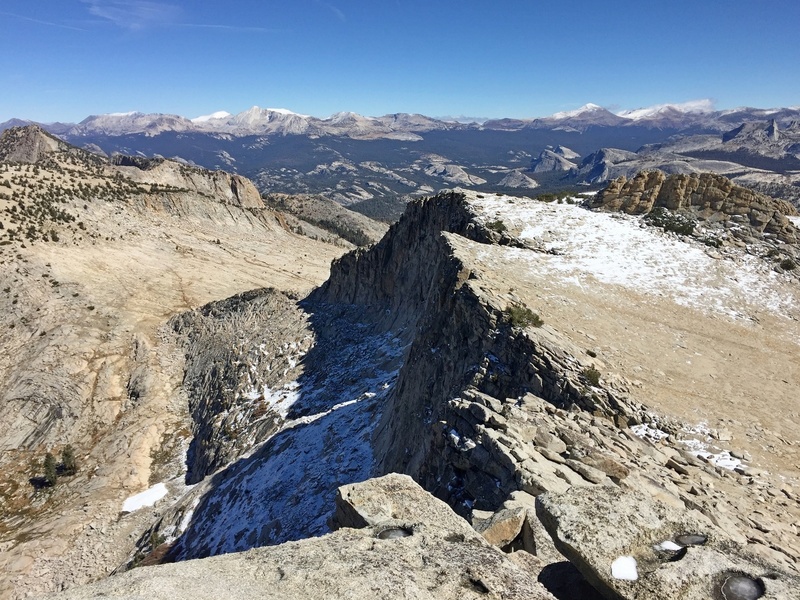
[98, 333]
[707, 339]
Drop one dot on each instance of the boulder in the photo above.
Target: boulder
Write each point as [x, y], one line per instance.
[503, 527]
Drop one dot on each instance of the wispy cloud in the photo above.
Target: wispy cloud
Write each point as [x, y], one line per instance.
[231, 28]
[134, 14]
[40, 22]
[144, 14]
[336, 11]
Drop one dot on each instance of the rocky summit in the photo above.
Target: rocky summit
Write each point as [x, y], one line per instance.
[503, 397]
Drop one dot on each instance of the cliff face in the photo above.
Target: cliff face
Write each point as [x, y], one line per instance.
[708, 196]
[466, 358]
[410, 337]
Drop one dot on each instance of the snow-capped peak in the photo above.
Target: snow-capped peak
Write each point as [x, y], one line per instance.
[693, 106]
[220, 114]
[286, 111]
[122, 114]
[348, 117]
[586, 108]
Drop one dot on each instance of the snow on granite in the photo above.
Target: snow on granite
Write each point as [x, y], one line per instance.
[584, 247]
[146, 498]
[651, 433]
[284, 489]
[624, 568]
[701, 448]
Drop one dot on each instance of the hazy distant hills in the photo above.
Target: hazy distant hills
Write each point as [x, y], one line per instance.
[356, 159]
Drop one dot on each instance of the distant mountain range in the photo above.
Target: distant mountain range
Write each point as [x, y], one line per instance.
[354, 159]
[279, 121]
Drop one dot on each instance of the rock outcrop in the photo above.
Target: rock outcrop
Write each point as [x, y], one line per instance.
[397, 541]
[518, 179]
[485, 409]
[630, 546]
[711, 197]
[549, 160]
[597, 166]
[422, 355]
[468, 369]
[225, 187]
[31, 144]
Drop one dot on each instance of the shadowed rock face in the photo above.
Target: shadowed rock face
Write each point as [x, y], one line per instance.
[706, 195]
[438, 556]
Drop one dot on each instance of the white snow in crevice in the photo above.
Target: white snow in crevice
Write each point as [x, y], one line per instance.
[279, 400]
[624, 568]
[616, 249]
[668, 546]
[651, 433]
[146, 498]
[285, 487]
[699, 448]
[187, 516]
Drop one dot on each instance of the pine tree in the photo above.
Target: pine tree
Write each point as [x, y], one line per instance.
[50, 472]
[68, 460]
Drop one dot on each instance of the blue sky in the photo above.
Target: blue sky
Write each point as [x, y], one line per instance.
[66, 59]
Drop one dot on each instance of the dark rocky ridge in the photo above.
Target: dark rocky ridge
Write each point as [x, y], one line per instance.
[463, 346]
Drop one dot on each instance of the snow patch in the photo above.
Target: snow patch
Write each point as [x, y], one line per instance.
[619, 250]
[624, 568]
[693, 106]
[286, 111]
[147, 498]
[668, 546]
[651, 433]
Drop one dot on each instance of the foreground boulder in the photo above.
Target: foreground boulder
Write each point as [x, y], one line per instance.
[411, 545]
[629, 546]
